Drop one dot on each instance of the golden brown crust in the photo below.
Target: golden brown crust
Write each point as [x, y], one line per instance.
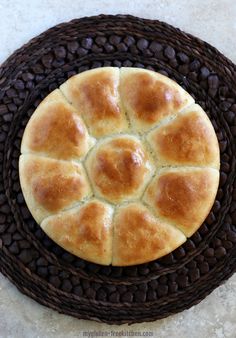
[95, 95]
[183, 196]
[149, 97]
[60, 131]
[140, 237]
[50, 185]
[188, 140]
[121, 165]
[119, 168]
[85, 231]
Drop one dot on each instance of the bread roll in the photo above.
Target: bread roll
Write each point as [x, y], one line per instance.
[140, 237]
[183, 196]
[149, 97]
[85, 231]
[119, 169]
[95, 95]
[50, 186]
[56, 130]
[187, 140]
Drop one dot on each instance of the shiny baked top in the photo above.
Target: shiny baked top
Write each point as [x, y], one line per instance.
[119, 166]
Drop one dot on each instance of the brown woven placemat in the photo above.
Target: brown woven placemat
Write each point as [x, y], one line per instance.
[57, 279]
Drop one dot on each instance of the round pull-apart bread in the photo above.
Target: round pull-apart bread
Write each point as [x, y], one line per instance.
[119, 166]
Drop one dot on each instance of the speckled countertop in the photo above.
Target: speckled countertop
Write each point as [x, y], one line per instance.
[213, 21]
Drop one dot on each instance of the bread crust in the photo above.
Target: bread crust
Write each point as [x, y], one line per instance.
[119, 166]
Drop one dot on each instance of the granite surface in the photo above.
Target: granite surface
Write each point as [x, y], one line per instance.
[213, 21]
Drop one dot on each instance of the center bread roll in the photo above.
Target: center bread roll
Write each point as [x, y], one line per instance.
[119, 166]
